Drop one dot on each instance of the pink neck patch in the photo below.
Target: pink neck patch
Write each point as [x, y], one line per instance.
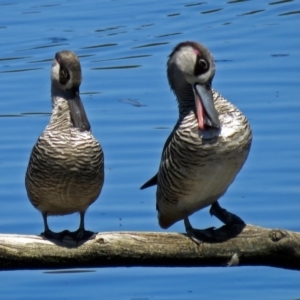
[196, 51]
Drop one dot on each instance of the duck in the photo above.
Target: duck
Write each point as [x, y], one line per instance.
[206, 149]
[65, 173]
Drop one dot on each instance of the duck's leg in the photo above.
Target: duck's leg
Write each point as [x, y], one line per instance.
[211, 234]
[225, 216]
[198, 235]
[81, 234]
[49, 234]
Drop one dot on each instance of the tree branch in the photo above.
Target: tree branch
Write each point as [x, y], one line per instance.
[253, 246]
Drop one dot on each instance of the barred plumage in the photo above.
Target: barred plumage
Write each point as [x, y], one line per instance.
[207, 147]
[65, 173]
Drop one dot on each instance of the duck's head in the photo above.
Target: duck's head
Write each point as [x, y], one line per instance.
[66, 79]
[66, 71]
[191, 67]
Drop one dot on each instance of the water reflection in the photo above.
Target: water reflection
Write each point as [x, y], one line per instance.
[195, 4]
[169, 34]
[21, 70]
[146, 25]
[109, 28]
[211, 11]
[280, 2]
[290, 13]
[174, 15]
[26, 114]
[31, 12]
[125, 57]
[57, 39]
[251, 12]
[47, 46]
[117, 67]
[150, 45]
[237, 1]
[100, 46]
[133, 102]
[14, 58]
[69, 271]
[279, 55]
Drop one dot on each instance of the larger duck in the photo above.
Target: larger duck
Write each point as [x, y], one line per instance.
[207, 147]
[65, 173]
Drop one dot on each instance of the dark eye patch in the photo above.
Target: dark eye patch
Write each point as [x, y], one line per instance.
[201, 66]
[64, 75]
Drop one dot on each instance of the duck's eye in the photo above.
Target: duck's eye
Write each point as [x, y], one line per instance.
[63, 75]
[203, 64]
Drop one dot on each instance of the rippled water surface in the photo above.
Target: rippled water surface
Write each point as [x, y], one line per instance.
[123, 48]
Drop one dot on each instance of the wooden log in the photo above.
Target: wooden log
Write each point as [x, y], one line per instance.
[244, 246]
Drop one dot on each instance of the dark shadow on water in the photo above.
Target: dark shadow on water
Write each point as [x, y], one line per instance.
[40, 61]
[116, 33]
[14, 58]
[253, 12]
[133, 102]
[211, 11]
[290, 13]
[279, 55]
[194, 4]
[100, 46]
[174, 15]
[169, 34]
[57, 39]
[150, 45]
[21, 70]
[31, 12]
[69, 271]
[47, 5]
[224, 60]
[117, 67]
[237, 1]
[124, 57]
[90, 93]
[146, 25]
[109, 28]
[280, 2]
[35, 114]
[47, 46]
[162, 127]
[25, 114]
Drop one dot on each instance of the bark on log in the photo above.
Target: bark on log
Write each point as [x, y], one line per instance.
[246, 246]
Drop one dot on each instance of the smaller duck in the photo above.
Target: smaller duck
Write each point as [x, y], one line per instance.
[207, 147]
[65, 173]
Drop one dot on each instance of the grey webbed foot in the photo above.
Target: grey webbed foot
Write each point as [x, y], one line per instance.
[199, 235]
[225, 216]
[50, 235]
[82, 235]
[233, 226]
[79, 235]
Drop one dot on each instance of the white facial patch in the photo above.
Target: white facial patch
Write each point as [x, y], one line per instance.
[186, 60]
[55, 75]
[55, 71]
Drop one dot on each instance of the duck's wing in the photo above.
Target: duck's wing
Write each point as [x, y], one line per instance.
[153, 180]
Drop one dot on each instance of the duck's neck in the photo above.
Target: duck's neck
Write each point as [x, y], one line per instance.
[60, 118]
[185, 96]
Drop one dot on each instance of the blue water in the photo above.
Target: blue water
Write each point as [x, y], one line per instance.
[123, 48]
